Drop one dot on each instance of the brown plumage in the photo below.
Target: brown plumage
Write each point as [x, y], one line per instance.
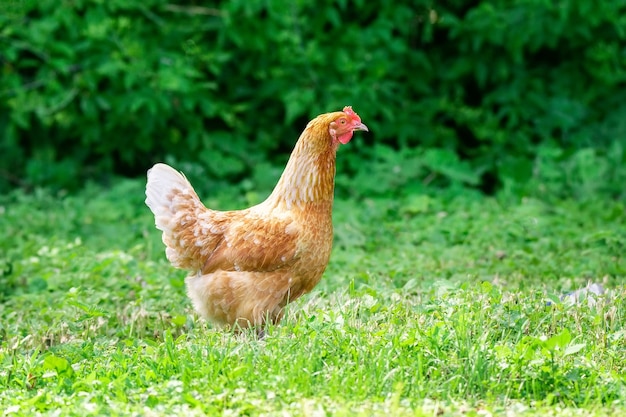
[246, 265]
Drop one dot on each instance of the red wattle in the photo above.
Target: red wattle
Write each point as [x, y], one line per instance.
[345, 138]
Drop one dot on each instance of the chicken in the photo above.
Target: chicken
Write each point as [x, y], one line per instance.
[246, 265]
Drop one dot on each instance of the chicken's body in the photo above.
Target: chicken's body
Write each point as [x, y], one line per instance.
[246, 265]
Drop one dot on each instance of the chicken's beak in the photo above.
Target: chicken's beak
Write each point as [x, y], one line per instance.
[360, 126]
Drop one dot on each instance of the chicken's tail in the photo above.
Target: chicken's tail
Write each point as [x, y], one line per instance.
[176, 209]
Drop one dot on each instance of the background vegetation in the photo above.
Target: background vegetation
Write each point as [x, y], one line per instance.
[486, 93]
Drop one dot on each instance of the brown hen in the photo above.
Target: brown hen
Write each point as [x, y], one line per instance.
[246, 265]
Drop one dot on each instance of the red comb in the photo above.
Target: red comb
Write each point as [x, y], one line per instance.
[348, 110]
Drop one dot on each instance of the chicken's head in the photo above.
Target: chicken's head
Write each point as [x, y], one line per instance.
[342, 128]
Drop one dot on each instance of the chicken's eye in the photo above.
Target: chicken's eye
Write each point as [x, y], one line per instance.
[343, 121]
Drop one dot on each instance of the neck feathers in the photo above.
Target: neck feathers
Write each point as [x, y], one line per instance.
[309, 176]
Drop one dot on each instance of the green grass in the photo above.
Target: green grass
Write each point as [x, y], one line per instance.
[431, 305]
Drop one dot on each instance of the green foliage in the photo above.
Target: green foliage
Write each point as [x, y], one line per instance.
[426, 308]
[493, 93]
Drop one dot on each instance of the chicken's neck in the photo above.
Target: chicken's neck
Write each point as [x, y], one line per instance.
[308, 180]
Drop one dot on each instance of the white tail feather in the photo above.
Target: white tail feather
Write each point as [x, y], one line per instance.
[180, 214]
[163, 181]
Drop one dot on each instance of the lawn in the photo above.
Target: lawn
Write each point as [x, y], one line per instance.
[442, 304]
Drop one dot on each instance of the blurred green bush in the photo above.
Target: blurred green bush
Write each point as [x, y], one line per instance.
[490, 94]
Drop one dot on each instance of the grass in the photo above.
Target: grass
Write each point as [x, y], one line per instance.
[442, 304]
